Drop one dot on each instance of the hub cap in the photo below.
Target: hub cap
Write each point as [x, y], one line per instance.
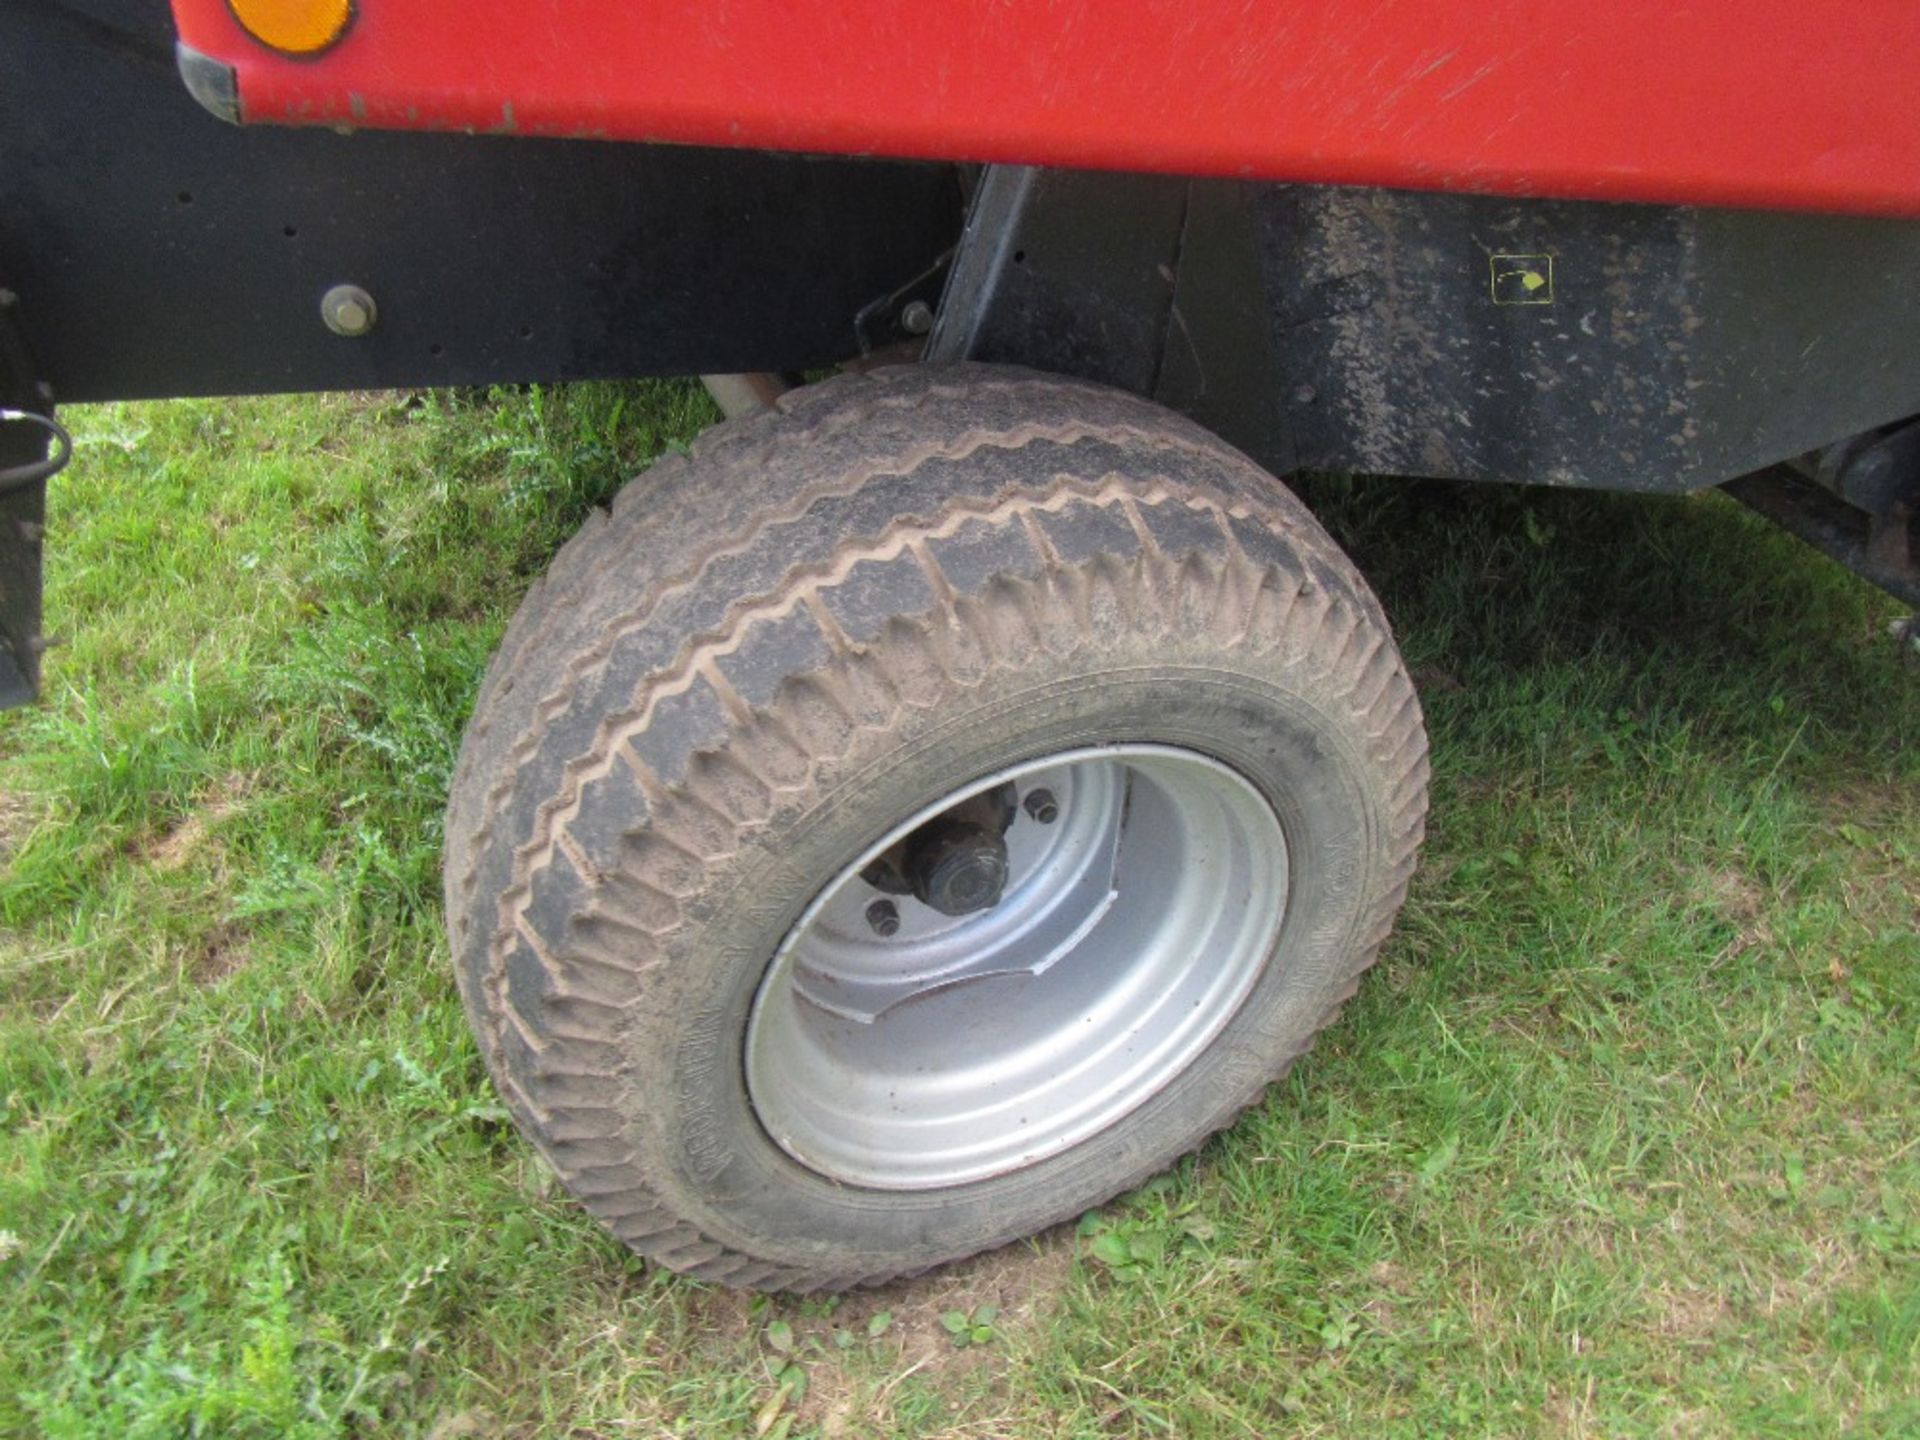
[1133, 904]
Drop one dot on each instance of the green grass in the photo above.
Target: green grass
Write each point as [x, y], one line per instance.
[1620, 1139]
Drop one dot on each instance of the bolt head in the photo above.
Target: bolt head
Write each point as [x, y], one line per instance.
[349, 311]
[884, 917]
[1041, 805]
[916, 317]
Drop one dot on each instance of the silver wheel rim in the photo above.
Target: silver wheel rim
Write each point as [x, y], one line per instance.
[1131, 927]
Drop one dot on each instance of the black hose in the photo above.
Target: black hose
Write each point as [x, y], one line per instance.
[16, 477]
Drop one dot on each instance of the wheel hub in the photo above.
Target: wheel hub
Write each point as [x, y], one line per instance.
[956, 866]
[1015, 968]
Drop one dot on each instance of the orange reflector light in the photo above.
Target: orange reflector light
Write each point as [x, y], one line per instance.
[294, 27]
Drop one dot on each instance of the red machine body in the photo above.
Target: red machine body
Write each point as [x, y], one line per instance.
[1785, 104]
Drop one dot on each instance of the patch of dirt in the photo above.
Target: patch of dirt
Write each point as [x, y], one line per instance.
[1692, 1314]
[1382, 1309]
[1390, 1274]
[1826, 1266]
[1735, 896]
[1023, 1281]
[175, 846]
[1869, 826]
[222, 951]
[1868, 804]
[1738, 900]
[1687, 1421]
[850, 1386]
[18, 816]
[464, 1425]
[1569, 1412]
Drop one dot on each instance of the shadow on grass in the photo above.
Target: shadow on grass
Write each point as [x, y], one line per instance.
[1681, 609]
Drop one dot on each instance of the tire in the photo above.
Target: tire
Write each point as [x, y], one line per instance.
[821, 621]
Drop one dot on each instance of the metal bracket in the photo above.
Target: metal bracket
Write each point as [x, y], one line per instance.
[1066, 271]
[902, 316]
[1879, 473]
[1855, 501]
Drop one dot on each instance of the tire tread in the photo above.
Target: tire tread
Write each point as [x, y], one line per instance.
[556, 1071]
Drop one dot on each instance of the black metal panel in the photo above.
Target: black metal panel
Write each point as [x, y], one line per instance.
[1067, 271]
[1147, 282]
[1616, 346]
[1220, 366]
[159, 252]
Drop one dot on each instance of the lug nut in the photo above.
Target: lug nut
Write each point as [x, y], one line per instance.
[884, 917]
[1041, 805]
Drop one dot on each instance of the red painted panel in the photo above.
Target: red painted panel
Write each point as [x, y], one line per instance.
[1775, 103]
